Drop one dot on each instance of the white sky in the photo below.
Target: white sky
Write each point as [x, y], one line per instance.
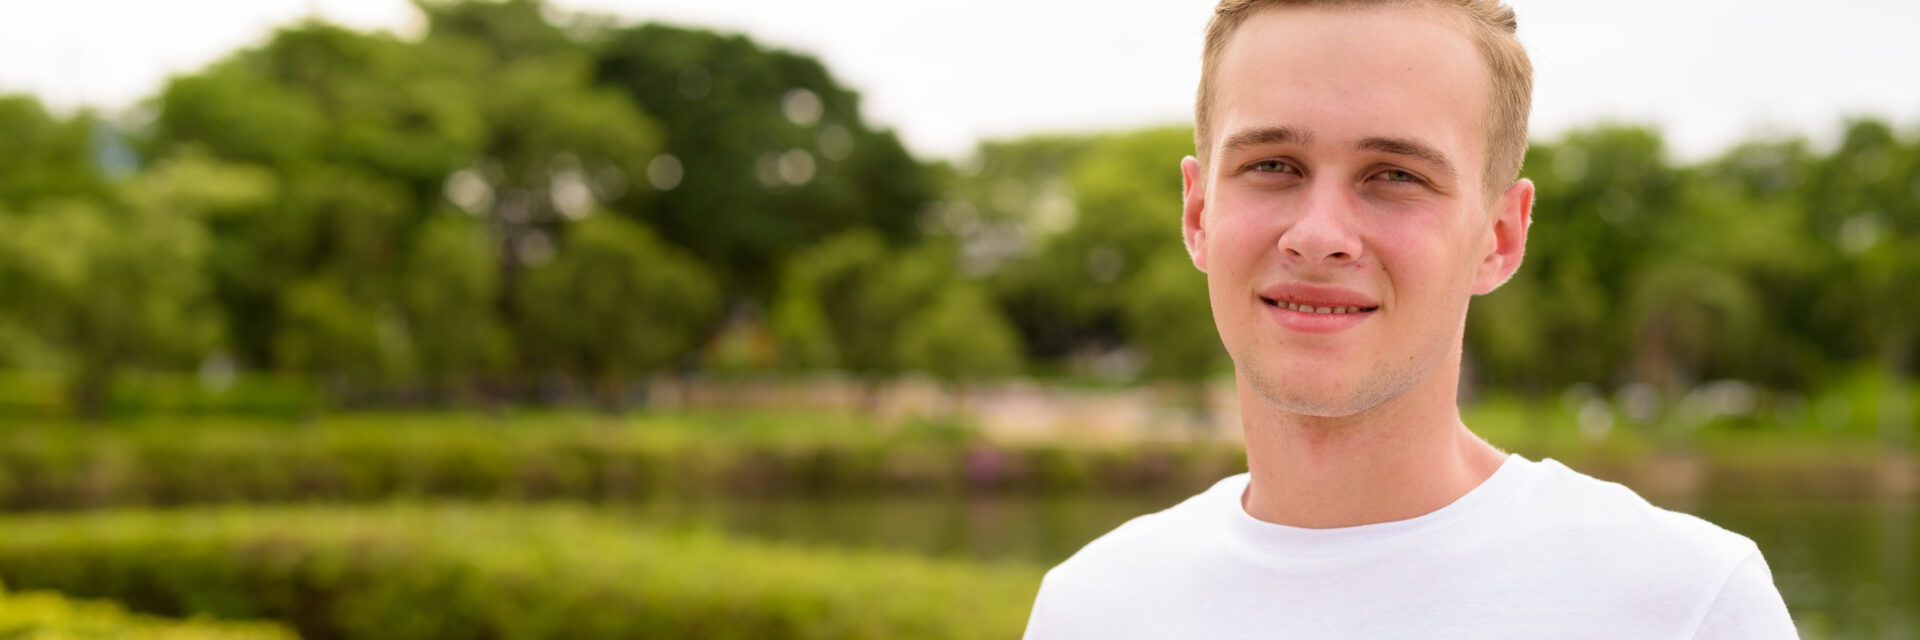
[1708, 72]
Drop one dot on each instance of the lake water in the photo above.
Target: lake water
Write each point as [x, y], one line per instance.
[1848, 569]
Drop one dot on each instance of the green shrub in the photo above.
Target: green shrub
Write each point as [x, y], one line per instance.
[560, 456]
[39, 615]
[401, 572]
[600, 458]
[26, 394]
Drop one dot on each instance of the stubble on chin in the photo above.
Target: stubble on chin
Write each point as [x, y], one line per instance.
[1294, 392]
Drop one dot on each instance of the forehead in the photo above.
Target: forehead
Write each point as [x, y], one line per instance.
[1349, 74]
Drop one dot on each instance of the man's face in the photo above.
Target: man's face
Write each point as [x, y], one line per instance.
[1341, 220]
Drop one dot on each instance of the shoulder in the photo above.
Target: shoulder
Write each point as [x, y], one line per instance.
[1646, 557]
[1564, 537]
[1747, 607]
[1583, 507]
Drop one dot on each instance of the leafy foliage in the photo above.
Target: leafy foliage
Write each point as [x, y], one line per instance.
[960, 337]
[851, 296]
[43, 156]
[40, 615]
[770, 153]
[526, 200]
[614, 303]
[513, 573]
[566, 456]
[103, 285]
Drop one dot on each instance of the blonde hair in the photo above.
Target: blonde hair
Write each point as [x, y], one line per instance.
[1491, 25]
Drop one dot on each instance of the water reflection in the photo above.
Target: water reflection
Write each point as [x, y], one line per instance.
[1846, 567]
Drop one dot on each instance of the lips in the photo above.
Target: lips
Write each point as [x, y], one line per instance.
[1314, 309]
[1306, 298]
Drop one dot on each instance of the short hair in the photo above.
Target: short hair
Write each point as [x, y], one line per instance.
[1490, 24]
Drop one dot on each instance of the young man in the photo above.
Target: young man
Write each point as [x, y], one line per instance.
[1354, 184]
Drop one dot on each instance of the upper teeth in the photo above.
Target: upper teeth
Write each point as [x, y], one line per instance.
[1310, 309]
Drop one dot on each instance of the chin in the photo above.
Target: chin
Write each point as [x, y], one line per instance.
[1321, 395]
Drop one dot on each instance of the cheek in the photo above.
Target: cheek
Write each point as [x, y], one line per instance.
[1237, 241]
[1235, 252]
[1428, 268]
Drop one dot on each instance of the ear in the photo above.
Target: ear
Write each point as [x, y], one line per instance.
[1512, 214]
[1193, 218]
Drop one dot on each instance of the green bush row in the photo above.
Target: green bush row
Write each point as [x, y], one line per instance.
[68, 466]
[579, 456]
[40, 615]
[448, 573]
[45, 395]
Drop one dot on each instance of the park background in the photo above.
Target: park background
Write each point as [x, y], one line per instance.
[535, 322]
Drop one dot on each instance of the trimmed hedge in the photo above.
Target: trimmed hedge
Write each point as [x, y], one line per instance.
[39, 615]
[404, 572]
[588, 457]
[66, 466]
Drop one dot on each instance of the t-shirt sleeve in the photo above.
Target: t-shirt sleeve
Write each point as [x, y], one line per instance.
[1042, 623]
[1749, 606]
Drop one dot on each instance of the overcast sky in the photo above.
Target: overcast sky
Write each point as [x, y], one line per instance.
[1707, 72]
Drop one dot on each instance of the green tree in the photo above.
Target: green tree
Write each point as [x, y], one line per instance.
[1864, 205]
[449, 294]
[766, 154]
[852, 299]
[1683, 316]
[959, 339]
[334, 288]
[43, 156]
[358, 129]
[494, 111]
[1603, 193]
[104, 286]
[552, 145]
[1737, 245]
[1068, 292]
[1007, 205]
[1169, 317]
[615, 304]
[352, 343]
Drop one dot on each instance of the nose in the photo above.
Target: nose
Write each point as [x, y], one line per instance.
[1324, 234]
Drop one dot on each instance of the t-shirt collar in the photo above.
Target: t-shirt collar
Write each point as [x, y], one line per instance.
[1278, 541]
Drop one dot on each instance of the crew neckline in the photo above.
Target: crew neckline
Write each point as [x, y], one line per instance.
[1278, 542]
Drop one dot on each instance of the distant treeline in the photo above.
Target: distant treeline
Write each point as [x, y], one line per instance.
[527, 205]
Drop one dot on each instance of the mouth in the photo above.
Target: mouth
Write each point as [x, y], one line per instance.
[1303, 308]
[1316, 307]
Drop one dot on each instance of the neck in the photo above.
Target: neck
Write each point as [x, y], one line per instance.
[1402, 459]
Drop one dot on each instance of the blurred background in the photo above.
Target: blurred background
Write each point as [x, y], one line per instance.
[848, 319]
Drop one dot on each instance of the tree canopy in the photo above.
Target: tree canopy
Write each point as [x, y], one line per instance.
[522, 197]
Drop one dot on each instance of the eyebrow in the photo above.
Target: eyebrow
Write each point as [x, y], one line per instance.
[1264, 136]
[1259, 136]
[1409, 148]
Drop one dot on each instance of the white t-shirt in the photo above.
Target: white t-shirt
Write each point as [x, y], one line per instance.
[1536, 551]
